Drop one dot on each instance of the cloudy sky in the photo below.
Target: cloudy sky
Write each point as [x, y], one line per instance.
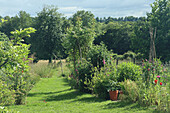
[100, 8]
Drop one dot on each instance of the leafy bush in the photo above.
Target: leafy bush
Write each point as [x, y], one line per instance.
[77, 77]
[7, 96]
[102, 80]
[97, 54]
[128, 70]
[154, 85]
[6, 110]
[130, 91]
[83, 72]
[14, 63]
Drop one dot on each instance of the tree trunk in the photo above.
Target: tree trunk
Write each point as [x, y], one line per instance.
[50, 59]
[61, 66]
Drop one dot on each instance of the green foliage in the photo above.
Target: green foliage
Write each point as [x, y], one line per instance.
[98, 53]
[79, 37]
[14, 63]
[128, 70]
[130, 91]
[103, 80]
[83, 72]
[159, 18]
[47, 40]
[6, 110]
[117, 36]
[150, 89]
[7, 96]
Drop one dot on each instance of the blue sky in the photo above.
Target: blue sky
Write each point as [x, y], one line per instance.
[100, 8]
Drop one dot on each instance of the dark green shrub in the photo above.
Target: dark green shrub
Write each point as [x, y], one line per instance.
[128, 70]
[83, 72]
[97, 54]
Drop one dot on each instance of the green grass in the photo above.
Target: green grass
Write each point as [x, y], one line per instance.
[60, 98]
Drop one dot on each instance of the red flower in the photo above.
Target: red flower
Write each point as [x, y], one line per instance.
[161, 83]
[148, 69]
[156, 82]
[22, 71]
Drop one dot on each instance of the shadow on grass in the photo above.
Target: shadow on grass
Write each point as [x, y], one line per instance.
[65, 96]
[46, 93]
[125, 105]
[90, 100]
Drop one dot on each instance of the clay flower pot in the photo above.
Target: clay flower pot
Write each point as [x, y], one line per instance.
[113, 95]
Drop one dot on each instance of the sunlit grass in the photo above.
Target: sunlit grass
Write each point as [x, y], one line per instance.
[54, 95]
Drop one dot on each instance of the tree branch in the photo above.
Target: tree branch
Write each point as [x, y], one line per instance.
[4, 63]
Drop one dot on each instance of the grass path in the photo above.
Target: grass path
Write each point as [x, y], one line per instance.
[53, 95]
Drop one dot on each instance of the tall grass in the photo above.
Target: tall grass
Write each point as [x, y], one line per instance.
[42, 69]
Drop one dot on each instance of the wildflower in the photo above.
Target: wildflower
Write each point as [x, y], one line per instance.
[146, 60]
[148, 69]
[156, 81]
[76, 70]
[153, 69]
[161, 83]
[22, 71]
[158, 76]
[104, 61]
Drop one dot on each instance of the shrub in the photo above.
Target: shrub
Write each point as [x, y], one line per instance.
[130, 91]
[7, 96]
[6, 110]
[14, 63]
[128, 70]
[154, 85]
[83, 72]
[97, 54]
[77, 77]
[102, 80]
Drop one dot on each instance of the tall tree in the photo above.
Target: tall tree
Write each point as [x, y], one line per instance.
[80, 35]
[47, 39]
[159, 18]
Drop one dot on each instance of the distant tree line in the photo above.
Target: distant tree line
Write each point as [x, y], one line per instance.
[62, 36]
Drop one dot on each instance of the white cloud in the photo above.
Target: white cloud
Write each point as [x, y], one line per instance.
[101, 8]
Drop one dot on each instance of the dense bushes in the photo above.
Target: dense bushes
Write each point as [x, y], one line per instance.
[128, 70]
[152, 87]
[14, 66]
[146, 84]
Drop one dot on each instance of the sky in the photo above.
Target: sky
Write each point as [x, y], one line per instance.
[100, 8]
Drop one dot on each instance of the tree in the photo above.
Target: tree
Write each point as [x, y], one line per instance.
[80, 35]
[116, 37]
[159, 19]
[140, 38]
[20, 21]
[47, 40]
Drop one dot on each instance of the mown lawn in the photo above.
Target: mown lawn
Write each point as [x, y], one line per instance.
[54, 95]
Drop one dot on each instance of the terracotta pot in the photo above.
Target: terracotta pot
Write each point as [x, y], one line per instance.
[113, 95]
